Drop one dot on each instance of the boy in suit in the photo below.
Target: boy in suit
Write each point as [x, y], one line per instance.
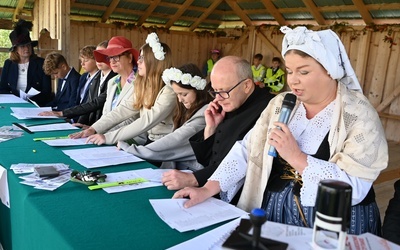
[89, 65]
[68, 80]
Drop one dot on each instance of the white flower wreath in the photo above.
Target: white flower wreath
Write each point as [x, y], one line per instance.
[155, 45]
[174, 74]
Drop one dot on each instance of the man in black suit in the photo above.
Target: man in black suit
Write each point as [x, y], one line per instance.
[68, 80]
[391, 222]
[236, 107]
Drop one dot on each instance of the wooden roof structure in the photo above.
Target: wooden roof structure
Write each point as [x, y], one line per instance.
[191, 15]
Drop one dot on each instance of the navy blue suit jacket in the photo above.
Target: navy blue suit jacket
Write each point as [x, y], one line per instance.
[66, 97]
[36, 79]
[82, 82]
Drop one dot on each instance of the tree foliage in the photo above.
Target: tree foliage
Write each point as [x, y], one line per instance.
[4, 43]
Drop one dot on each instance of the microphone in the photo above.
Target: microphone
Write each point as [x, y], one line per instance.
[287, 106]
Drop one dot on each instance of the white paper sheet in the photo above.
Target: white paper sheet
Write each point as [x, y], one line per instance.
[298, 238]
[9, 98]
[28, 113]
[52, 127]
[4, 194]
[146, 173]
[207, 213]
[101, 156]
[66, 142]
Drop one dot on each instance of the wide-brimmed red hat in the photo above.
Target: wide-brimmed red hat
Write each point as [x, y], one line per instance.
[20, 35]
[116, 46]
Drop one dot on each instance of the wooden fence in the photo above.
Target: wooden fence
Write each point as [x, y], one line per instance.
[373, 51]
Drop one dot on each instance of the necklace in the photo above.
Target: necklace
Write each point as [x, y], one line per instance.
[24, 66]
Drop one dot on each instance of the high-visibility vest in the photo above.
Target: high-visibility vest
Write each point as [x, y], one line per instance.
[258, 74]
[275, 81]
[210, 65]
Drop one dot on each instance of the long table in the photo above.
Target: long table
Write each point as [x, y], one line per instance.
[72, 216]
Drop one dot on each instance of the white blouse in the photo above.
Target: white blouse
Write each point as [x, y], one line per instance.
[309, 134]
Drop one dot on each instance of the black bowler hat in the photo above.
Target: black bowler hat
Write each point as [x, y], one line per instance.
[20, 35]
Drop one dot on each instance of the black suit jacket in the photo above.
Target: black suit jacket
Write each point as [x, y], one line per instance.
[391, 222]
[234, 127]
[66, 97]
[37, 79]
[92, 110]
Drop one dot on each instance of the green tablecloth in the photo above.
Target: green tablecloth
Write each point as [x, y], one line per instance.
[72, 216]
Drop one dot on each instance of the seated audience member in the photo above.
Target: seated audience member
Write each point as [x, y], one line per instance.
[68, 81]
[333, 133]
[23, 71]
[153, 102]
[258, 70]
[91, 111]
[192, 99]
[391, 222]
[275, 76]
[236, 106]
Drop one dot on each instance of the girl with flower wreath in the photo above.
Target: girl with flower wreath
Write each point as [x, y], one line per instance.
[192, 99]
[153, 102]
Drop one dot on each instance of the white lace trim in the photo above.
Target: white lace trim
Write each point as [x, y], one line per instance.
[232, 171]
[316, 171]
[310, 133]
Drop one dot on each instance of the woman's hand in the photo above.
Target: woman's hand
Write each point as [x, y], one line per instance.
[97, 139]
[195, 195]
[83, 134]
[287, 147]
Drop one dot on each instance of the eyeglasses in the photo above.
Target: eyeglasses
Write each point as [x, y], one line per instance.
[224, 94]
[140, 59]
[114, 58]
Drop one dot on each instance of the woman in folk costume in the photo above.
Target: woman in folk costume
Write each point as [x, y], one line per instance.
[333, 133]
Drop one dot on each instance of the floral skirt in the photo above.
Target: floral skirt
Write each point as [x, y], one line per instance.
[281, 207]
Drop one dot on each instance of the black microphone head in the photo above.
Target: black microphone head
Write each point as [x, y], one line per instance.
[289, 101]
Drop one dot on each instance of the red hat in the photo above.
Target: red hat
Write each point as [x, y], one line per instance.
[116, 46]
[214, 51]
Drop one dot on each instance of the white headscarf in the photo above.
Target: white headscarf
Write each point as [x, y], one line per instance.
[325, 47]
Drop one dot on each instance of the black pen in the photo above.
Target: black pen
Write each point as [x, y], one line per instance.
[22, 127]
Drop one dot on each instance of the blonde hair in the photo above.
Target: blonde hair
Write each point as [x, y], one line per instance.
[148, 87]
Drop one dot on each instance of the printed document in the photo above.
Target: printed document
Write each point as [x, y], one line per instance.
[205, 214]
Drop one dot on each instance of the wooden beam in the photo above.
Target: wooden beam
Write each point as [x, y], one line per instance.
[269, 43]
[149, 10]
[238, 11]
[312, 8]
[389, 99]
[18, 9]
[362, 56]
[205, 14]
[389, 116]
[366, 16]
[270, 6]
[238, 43]
[109, 10]
[179, 13]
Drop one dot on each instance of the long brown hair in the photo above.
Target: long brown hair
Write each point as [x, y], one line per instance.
[14, 56]
[148, 87]
[182, 114]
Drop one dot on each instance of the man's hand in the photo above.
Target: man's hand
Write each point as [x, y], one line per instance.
[80, 125]
[214, 115]
[196, 195]
[176, 179]
[51, 113]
